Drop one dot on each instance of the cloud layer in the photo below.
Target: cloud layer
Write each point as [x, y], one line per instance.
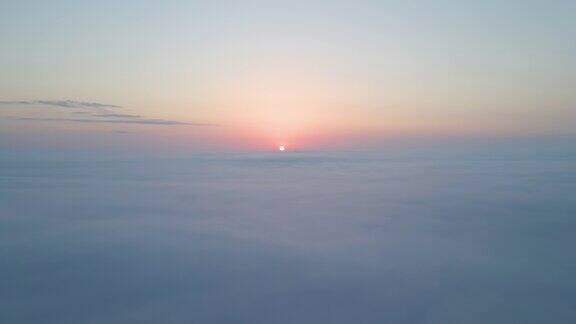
[103, 110]
[142, 121]
[60, 103]
[118, 115]
[309, 237]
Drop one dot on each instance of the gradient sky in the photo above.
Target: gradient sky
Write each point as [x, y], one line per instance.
[307, 74]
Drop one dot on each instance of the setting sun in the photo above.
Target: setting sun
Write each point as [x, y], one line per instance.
[281, 148]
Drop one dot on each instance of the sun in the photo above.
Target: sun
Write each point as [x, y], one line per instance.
[281, 148]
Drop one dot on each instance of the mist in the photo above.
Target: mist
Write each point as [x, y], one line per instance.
[295, 237]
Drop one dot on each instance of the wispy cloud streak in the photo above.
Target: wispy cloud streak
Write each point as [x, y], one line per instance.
[96, 113]
[60, 103]
[118, 115]
[142, 121]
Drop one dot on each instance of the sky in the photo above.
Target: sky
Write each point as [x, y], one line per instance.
[304, 74]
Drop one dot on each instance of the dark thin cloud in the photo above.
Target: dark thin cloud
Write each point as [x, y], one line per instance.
[141, 121]
[60, 103]
[104, 113]
[118, 115]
